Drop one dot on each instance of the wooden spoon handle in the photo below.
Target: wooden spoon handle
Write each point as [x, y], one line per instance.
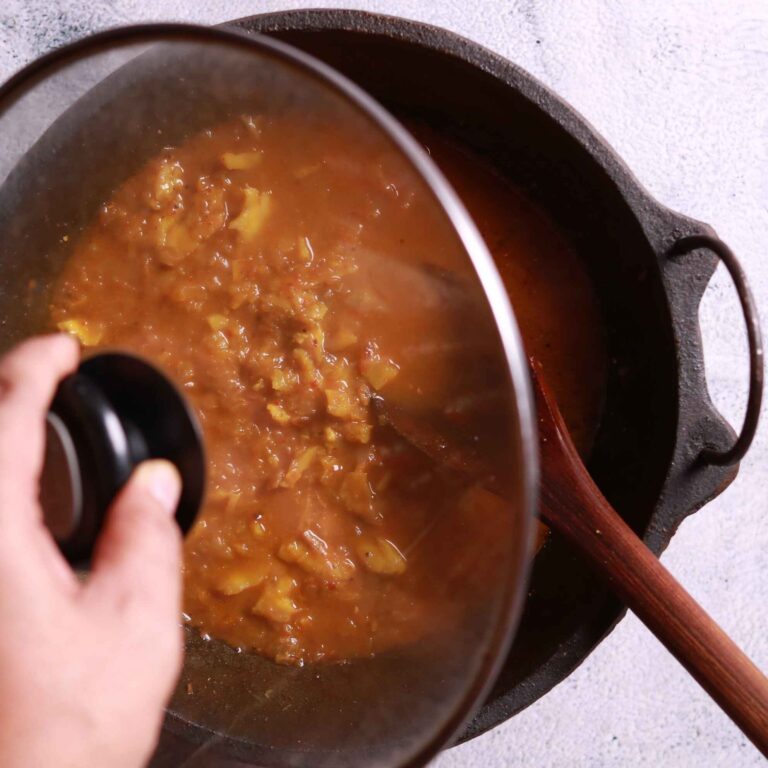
[574, 506]
[572, 503]
[657, 598]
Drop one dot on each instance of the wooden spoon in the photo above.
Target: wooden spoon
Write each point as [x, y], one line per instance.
[573, 505]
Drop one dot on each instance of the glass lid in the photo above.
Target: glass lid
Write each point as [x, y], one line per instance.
[254, 224]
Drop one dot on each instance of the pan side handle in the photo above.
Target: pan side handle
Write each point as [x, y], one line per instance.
[736, 452]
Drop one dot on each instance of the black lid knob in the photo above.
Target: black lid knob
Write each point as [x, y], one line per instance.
[114, 412]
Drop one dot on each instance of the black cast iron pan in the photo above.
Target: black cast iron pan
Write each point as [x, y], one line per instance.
[663, 450]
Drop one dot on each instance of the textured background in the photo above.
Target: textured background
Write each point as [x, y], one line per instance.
[680, 88]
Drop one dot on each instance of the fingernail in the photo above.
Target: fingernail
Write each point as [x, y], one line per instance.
[161, 480]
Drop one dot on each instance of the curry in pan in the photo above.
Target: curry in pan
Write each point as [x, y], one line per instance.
[261, 264]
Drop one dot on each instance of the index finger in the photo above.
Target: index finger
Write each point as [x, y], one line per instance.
[29, 375]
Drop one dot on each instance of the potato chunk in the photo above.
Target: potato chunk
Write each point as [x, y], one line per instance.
[279, 414]
[256, 207]
[179, 240]
[313, 555]
[305, 251]
[340, 403]
[284, 380]
[217, 322]
[236, 581]
[299, 466]
[379, 372]
[380, 555]
[357, 432]
[168, 183]
[87, 333]
[357, 495]
[241, 161]
[342, 339]
[275, 602]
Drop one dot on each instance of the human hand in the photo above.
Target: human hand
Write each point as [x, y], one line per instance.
[86, 668]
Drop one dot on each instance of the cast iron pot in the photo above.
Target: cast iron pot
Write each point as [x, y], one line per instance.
[662, 450]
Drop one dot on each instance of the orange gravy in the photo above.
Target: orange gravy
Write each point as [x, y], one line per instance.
[552, 296]
[235, 262]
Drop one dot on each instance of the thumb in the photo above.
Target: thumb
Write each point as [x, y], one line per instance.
[137, 559]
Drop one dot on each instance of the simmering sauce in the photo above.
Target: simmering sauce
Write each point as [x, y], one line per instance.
[247, 262]
[552, 295]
